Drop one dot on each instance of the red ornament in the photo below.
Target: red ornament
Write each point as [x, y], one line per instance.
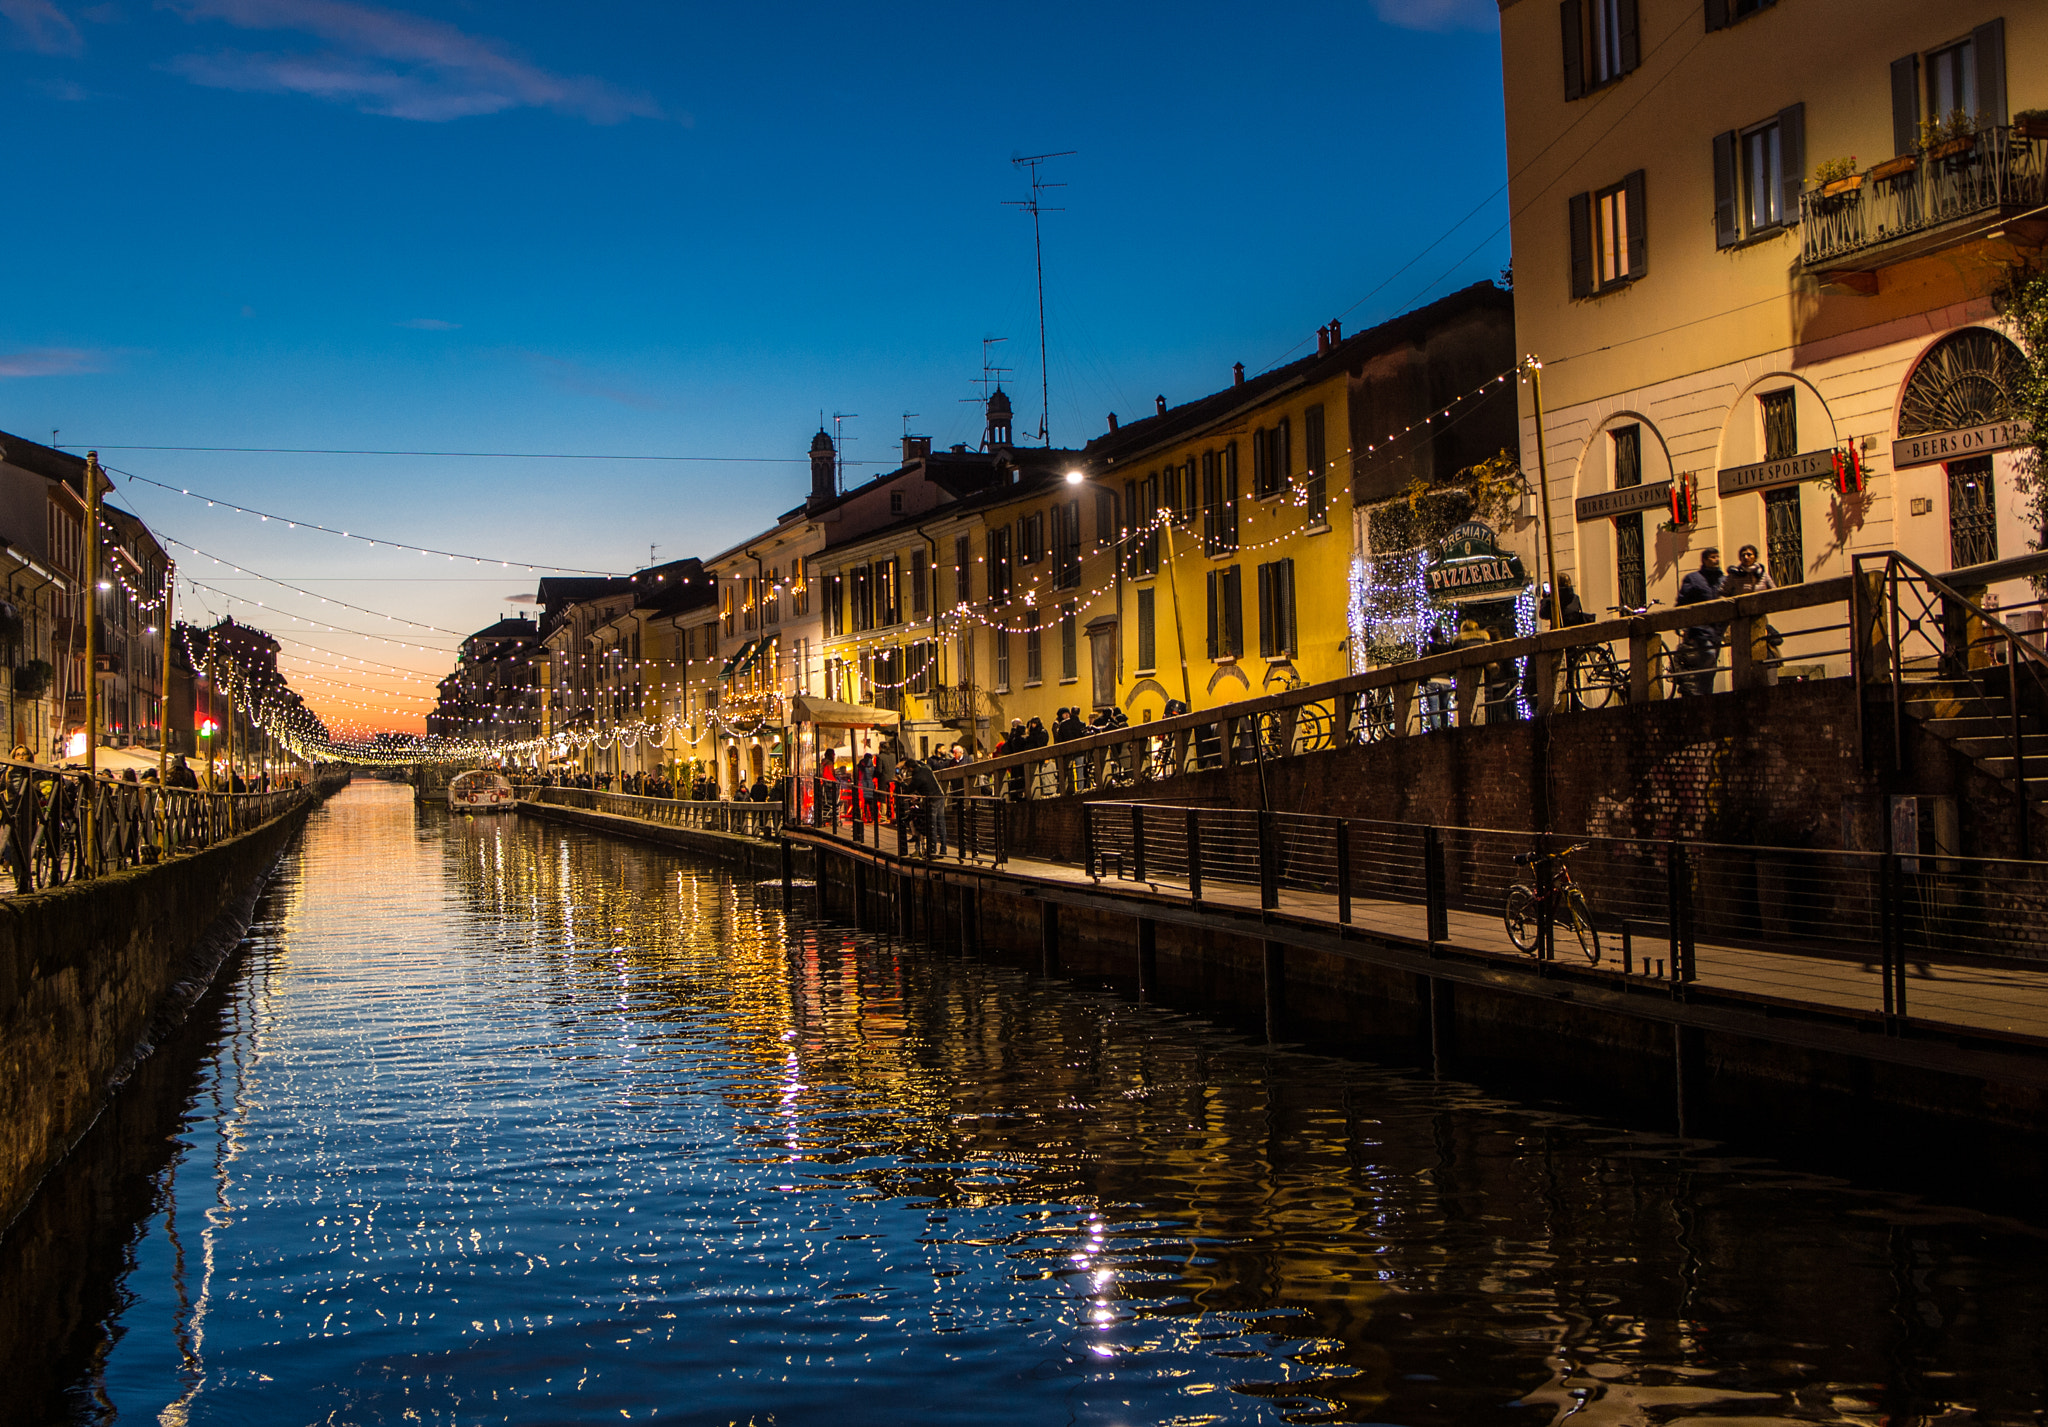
[1685, 502]
[1848, 471]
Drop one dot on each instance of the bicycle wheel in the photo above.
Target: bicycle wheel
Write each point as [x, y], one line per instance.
[1599, 680]
[1520, 917]
[1579, 917]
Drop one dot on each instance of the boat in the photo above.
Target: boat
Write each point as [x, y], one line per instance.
[482, 790]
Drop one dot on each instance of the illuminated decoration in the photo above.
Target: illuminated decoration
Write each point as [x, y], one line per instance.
[1685, 501]
[1849, 475]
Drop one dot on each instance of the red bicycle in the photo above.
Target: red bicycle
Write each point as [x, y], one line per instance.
[1561, 897]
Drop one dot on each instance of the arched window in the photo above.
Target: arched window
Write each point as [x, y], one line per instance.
[1968, 378]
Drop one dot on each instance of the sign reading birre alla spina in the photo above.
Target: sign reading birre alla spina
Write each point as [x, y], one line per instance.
[1469, 565]
[1958, 445]
[1623, 500]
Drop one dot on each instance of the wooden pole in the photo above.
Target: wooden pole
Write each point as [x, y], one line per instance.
[90, 603]
[1535, 370]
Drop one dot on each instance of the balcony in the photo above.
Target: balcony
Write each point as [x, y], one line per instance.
[1918, 204]
[960, 704]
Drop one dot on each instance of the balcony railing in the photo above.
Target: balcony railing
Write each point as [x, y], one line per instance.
[958, 703]
[1991, 170]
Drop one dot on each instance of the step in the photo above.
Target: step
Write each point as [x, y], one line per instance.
[1956, 730]
[1999, 745]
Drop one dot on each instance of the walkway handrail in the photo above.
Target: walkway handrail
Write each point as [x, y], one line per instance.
[743, 819]
[43, 824]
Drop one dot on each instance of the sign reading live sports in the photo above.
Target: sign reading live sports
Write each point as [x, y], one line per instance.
[1469, 565]
[1767, 475]
[1625, 500]
[1959, 445]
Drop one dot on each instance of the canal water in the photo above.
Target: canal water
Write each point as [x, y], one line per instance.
[497, 1121]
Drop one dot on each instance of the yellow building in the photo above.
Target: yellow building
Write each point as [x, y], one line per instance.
[1752, 238]
[1246, 507]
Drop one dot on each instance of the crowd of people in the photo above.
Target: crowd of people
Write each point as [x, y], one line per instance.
[179, 773]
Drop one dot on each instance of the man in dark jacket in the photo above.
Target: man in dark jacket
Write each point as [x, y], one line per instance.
[1700, 648]
[920, 786]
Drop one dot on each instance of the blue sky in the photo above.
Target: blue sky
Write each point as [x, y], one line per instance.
[680, 230]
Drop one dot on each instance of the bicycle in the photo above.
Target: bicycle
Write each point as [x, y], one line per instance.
[1565, 902]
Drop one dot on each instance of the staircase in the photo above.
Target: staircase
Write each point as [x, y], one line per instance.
[1980, 727]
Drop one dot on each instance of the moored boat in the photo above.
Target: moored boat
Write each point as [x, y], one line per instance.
[482, 790]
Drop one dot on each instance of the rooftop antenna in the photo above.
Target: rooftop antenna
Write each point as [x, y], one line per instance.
[839, 439]
[991, 374]
[1034, 206]
[651, 548]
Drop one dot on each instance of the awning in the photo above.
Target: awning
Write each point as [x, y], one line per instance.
[830, 713]
[751, 655]
[733, 664]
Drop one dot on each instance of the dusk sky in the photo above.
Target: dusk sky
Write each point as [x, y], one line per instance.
[671, 231]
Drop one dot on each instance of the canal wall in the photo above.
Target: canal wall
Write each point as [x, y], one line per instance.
[749, 855]
[94, 974]
[1638, 1050]
[1779, 766]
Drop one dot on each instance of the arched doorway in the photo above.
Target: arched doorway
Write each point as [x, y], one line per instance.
[1962, 385]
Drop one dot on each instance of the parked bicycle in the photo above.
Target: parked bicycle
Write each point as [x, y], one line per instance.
[1560, 897]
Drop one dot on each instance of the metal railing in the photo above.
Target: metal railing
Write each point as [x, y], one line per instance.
[1648, 657]
[1992, 169]
[743, 819]
[44, 838]
[1754, 921]
[892, 819]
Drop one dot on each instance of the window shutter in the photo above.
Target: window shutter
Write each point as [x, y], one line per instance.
[1230, 493]
[1266, 629]
[1574, 49]
[1284, 602]
[1987, 44]
[1581, 210]
[1726, 232]
[1215, 624]
[1631, 46]
[1906, 104]
[1638, 235]
[1283, 454]
[1261, 483]
[1233, 610]
[1792, 154]
[1717, 15]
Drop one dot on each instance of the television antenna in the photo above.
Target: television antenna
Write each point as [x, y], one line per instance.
[1035, 205]
[839, 440]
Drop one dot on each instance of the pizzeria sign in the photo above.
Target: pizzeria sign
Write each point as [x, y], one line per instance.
[1470, 565]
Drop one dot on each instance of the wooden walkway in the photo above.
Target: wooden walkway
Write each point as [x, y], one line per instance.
[2002, 1003]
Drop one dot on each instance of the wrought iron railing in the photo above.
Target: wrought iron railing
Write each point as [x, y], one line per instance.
[58, 826]
[744, 819]
[1992, 169]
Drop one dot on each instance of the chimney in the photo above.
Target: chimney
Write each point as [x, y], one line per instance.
[1112, 421]
[824, 468]
[1322, 341]
[1336, 331]
[1162, 404]
[916, 448]
[1237, 373]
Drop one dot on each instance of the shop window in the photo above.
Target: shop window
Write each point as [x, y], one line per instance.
[1784, 540]
[1972, 513]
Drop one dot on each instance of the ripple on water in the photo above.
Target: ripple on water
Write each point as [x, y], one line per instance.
[501, 1122]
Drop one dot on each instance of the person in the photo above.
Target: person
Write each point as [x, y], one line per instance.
[759, 792]
[1066, 727]
[21, 754]
[828, 786]
[1016, 741]
[864, 788]
[1700, 647]
[182, 775]
[1746, 576]
[1568, 596]
[928, 815]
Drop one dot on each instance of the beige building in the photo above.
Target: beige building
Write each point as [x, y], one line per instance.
[1758, 240]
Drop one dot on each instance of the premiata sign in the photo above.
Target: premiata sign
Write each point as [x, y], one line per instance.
[1470, 565]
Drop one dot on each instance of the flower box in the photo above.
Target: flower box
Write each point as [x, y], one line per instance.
[2031, 126]
[1954, 148]
[1894, 168]
[1842, 185]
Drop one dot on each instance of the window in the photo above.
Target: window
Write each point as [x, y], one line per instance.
[1000, 638]
[835, 605]
[1070, 641]
[1190, 493]
[1146, 512]
[800, 664]
[1781, 424]
[1723, 13]
[771, 599]
[1031, 538]
[863, 598]
[1972, 513]
[999, 571]
[1169, 500]
[1315, 467]
[1784, 542]
[922, 661]
[1219, 500]
[895, 502]
[799, 586]
[888, 591]
[1631, 574]
[1600, 43]
[1034, 651]
[725, 609]
[1609, 244]
[1226, 613]
[1968, 76]
[1105, 518]
[1148, 641]
[963, 569]
[1759, 173]
[1066, 521]
[1277, 637]
[919, 584]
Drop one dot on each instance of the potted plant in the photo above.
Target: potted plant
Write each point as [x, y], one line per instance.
[32, 680]
[1949, 138]
[2031, 124]
[1894, 168]
[1836, 177]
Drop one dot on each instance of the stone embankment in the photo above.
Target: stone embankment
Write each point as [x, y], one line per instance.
[93, 974]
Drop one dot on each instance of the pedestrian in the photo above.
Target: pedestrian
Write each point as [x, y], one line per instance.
[182, 775]
[1016, 741]
[759, 792]
[928, 804]
[864, 787]
[21, 754]
[1699, 650]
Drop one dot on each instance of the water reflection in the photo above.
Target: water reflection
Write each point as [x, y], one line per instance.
[502, 1122]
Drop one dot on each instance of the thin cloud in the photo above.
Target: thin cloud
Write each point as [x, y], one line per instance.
[574, 376]
[42, 27]
[1439, 15]
[49, 362]
[389, 63]
[429, 324]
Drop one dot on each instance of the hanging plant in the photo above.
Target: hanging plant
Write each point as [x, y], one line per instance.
[32, 680]
[1685, 503]
[2023, 303]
